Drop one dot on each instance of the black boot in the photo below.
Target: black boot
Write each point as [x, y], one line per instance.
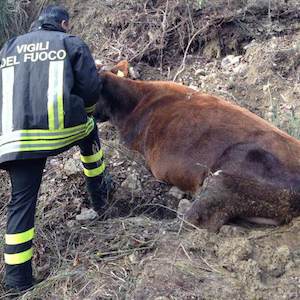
[100, 190]
[15, 292]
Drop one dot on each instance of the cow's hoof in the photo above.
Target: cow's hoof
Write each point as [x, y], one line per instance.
[212, 222]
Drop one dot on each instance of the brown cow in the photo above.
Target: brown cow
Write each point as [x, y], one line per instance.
[237, 164]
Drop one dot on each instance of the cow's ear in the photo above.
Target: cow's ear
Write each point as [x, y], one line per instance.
[121, 69]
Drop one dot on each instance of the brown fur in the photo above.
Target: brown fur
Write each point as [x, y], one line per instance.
[187, 135]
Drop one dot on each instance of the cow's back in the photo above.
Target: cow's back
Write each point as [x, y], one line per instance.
[184, 136]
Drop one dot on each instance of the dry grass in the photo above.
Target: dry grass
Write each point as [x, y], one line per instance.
[17, 15]
[157, 32]
[9, 22]
[163, 33]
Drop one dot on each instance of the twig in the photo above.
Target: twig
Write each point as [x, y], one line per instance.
[212, 268]
[162, 39]
[182, 66]
[185, 252]
[111, 254]
[117, 277]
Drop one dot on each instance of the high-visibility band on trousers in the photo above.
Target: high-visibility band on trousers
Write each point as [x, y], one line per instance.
[18, 258]
[92, 158]
[19, 238]
[94, 172]
[90, 109]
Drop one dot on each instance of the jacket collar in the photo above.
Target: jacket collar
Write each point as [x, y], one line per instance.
[50, 25]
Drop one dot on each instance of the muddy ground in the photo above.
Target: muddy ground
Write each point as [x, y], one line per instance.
[145, 253]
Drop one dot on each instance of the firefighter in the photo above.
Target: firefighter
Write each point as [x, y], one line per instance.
[48, 90]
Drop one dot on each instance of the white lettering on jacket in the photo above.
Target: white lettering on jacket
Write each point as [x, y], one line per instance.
[45, 55]
[33, 53]
[9, 61]
[33, 47]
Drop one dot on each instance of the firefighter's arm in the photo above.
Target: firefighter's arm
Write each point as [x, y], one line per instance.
[87, 83]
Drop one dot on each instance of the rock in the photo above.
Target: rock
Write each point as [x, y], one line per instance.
[117, 163]
[176, 192]
[87, 215]
[71, 224]
[72, 166]
[240, 69]
[194, 87]
[229, 61]
[200, 72]
[133, 258]
[132, 183]
[76, 155]
[183, 206]
[134, 73]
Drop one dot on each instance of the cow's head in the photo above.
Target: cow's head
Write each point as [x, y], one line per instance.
[108, 97]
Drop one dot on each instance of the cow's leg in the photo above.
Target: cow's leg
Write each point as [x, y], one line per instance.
[214, 205]
[225, 196]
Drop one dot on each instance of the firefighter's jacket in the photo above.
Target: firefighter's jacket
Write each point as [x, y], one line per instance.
[48, 84]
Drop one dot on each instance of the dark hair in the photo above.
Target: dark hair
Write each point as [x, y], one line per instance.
[54, 13]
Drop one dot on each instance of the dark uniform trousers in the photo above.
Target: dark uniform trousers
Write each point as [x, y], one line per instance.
[26, 176]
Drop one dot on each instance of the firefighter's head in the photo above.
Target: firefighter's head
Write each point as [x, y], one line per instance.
[55, 15]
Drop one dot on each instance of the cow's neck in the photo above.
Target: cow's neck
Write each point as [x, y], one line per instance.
[122, 95]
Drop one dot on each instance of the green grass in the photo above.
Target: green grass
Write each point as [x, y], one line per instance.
[291, 123]
[293, 127]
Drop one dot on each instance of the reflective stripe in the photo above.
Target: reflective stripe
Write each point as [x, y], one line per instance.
[19, 238]
[7, 99]
[92, 158]
[40, 134]
[90, 109]
[94, 172]
[18, 258]
[40, 145]
[55, 95]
